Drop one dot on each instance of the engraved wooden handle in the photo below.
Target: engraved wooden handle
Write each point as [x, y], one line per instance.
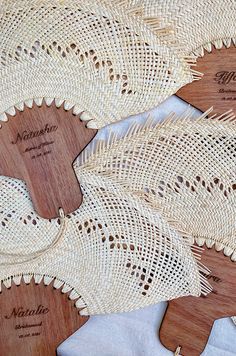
[39, 146]
[186, 327]
[188, 321]
[66, 192]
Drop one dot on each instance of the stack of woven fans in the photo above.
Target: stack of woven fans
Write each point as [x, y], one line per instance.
[147, 196]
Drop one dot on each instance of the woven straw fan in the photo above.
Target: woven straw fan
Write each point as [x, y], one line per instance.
[190, 178]
[86, 55]
[115, 253]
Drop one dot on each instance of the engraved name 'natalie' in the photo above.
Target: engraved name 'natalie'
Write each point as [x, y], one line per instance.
[225, 77]
[28, 135]
[21, 312]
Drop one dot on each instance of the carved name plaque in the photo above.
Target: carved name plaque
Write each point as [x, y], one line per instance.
[188, 321]
[35, 319]
[217, 88]
[39, 146]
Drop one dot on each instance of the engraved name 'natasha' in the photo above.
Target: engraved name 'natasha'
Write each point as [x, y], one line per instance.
[28, 135]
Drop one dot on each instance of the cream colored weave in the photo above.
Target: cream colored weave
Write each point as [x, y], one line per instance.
[195, 24]
[185, 169]
[104, 61]
[116, 253]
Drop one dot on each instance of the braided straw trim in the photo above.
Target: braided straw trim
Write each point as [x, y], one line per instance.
[67, 105]
[28, 278]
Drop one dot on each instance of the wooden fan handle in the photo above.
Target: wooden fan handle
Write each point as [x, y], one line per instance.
[188, 321]
[217, 87]
[39, 146]
[35, 319]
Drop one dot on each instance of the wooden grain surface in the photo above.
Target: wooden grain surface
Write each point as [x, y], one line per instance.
[53, 319]
[217, 88]
[39, 146]
[188, 321]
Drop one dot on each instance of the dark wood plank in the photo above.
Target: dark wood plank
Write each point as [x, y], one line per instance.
[188, 321]
[217, 88]
[39, 146]
[54, 318]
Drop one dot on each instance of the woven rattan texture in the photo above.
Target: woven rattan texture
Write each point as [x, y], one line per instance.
[117, 253]
[184, 168]
[196, 25]
[107, 62]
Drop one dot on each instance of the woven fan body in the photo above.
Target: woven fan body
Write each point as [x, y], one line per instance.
[88, 54]
[189, 178]
[116, 253]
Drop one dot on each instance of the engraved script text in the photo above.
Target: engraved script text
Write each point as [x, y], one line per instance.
[21, 312]
[28, 135]
[225, 77]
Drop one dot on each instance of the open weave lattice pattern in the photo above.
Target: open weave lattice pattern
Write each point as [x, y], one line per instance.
[88, 53]
[117, 253]
[196, 24]
[186, 170]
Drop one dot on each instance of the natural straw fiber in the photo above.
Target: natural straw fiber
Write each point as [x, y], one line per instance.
[100, 60]
[116, 252]
[195, 25]
[185, 169]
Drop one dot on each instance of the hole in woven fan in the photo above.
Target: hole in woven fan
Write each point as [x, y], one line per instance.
[32, 219]
[180, 179]
[221, 186]
[187, 184]
[234, 186]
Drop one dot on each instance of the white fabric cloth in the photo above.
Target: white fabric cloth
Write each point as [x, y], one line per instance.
[136, 333]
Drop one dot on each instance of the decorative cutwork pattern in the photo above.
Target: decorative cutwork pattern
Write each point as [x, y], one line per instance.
[125, 247]
[88, 53]
[191, 177]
